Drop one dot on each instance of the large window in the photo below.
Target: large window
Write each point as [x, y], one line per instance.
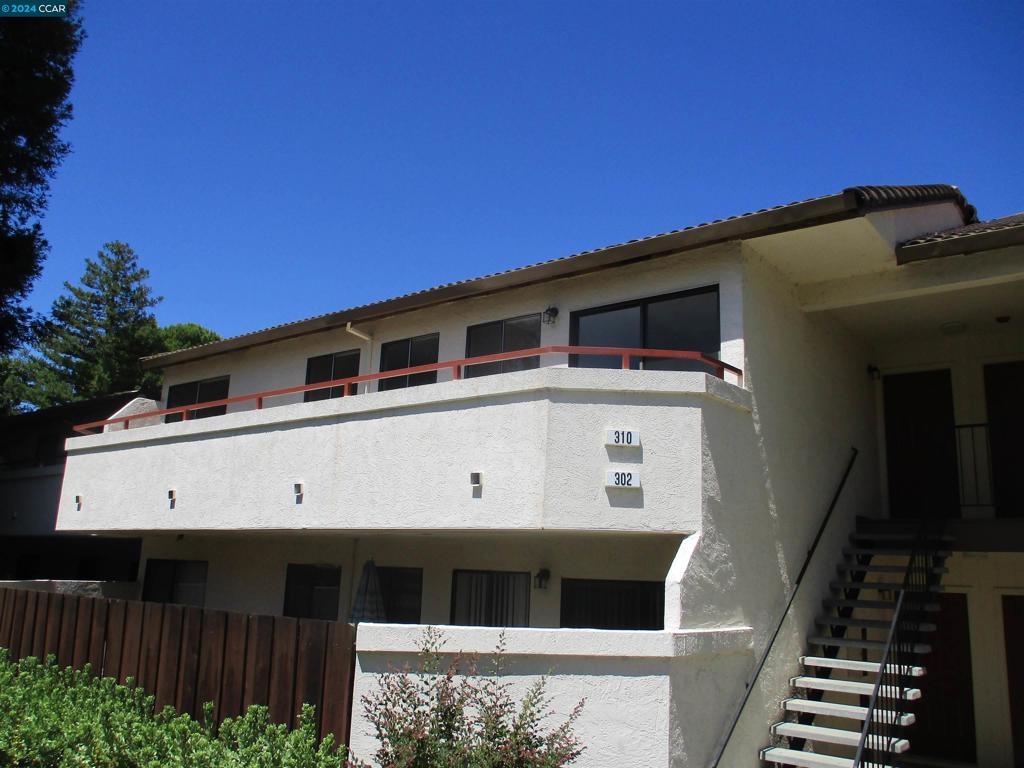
[407, 353]
[402, 591]
[312, 591]
[608, 604]
[193, 392]
[503, 336]
[175, 581]
[491, 599]
[684, 321]
[340, 365]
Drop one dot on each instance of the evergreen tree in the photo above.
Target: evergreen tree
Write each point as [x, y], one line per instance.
[35, 81]
[97, 331]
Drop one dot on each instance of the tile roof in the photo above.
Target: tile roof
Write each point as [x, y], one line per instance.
[851, 202]
[978, 228]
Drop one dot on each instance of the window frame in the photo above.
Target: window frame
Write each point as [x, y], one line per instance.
[504, 366]
[655, 586]
[198, 413]
[492, 572]
[382, 570]
[428, 377]
[315, 395]
[176, 566]
[643, 302]
[311, 569]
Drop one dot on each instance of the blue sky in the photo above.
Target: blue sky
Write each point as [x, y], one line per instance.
[273, 161]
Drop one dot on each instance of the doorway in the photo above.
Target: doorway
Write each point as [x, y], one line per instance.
[920, 442]
[1004, 400]
[1013, 627]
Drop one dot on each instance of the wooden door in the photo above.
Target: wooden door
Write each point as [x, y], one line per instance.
[1004, 399]
[920, 441]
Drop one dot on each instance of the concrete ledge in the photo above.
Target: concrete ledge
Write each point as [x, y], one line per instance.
[639, 384]
[405, 638]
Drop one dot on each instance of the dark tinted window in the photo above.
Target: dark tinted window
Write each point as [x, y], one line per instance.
[341, 365]
[175, 581]
[608, 604]
[193, 392]
[684, 321]
[402, 590]
[312, 591]
[503, 336]
[491, 598]
[406, 353]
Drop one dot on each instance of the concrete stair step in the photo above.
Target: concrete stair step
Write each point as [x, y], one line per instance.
[867, 645]
[838, 621]
[852, 665]
[835, 685]
[847, 711]
[836, 736]
[781, 756]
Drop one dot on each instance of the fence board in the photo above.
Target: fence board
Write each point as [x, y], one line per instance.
[39, 632]
[115, 639]
[54, 609]
[97, 634]
[27, 625]
[132, 643]
[257, 660]
[83, 628]
[170, 656]
[211, 660]
[18, 616]
[149, 648]
[339, 668]
[188, 671]
[185, 656]
[309, 672]
[282, 669]
[66, 643]
[233, 680]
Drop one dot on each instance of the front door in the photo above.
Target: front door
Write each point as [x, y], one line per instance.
[1004, 399]
[920, 442]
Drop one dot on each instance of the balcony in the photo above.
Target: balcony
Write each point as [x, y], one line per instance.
[528, 450]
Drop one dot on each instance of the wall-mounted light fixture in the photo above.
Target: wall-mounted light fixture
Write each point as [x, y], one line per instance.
[540, 581]
[298, 493]
[476, 479]
[78, 503]
[172, 498]
[550, 315]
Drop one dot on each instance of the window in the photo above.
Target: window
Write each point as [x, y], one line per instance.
[406, 353]
[607, 604]
[503, 336]
[175, 581]
[340, 365]
[684, 321]
[491, 599]
[402, 590]
[312, 591]
[193, 392]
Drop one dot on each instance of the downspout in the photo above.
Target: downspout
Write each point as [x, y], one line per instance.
[369, 343]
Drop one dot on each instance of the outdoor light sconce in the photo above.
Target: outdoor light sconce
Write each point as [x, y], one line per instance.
[540, 581]
[78, 503]
[298, 493]
[550, 315]
[476, 479]
[172, 498]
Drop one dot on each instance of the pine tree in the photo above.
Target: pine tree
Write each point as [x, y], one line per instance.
[97, 331]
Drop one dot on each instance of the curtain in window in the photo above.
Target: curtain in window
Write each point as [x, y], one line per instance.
[491, 599]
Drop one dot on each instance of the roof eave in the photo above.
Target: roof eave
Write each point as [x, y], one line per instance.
[956, 246]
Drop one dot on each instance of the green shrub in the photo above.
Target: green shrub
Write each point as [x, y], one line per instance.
[52, 717]
[458, 718]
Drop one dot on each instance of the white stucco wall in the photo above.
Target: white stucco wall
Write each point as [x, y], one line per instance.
[651, 697]
[401, 460]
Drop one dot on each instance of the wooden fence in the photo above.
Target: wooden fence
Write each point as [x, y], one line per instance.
[187, 656]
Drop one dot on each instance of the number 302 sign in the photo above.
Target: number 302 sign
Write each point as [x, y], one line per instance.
[622, 478]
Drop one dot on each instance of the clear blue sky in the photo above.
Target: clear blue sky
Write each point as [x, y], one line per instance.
[272, 161]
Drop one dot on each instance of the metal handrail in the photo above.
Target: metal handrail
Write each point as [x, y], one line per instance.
[626, 354]
[785, 612]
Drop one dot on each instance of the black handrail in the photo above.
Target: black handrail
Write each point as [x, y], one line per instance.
[785, 613]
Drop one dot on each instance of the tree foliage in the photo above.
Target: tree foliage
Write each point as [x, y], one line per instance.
[35, 82]
[184, 335]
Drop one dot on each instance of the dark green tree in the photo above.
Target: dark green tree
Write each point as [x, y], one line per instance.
[96, 333]
[35, 81]
[184, 335]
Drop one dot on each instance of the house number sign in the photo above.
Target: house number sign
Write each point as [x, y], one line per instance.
[622, 478]
[623, 438]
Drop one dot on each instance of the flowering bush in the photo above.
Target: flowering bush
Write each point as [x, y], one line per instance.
[456, 717]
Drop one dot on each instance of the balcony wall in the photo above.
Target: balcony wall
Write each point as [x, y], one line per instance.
[401, 460]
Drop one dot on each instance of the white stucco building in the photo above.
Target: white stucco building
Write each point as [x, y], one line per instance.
[638, 524]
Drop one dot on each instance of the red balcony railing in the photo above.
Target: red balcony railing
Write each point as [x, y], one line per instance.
[625, 354]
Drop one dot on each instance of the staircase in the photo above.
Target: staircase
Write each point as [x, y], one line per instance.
[850, 707]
